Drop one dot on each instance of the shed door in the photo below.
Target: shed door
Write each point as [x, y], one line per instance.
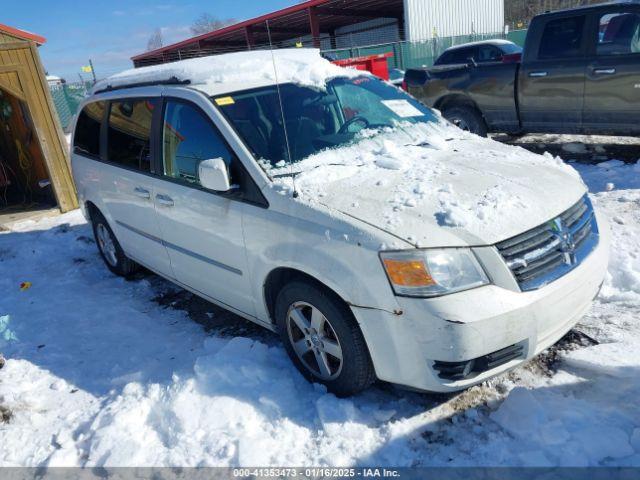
[22, 75]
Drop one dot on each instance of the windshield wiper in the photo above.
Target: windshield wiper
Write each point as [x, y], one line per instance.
[427, 144]
[293, 174]
[286, 175]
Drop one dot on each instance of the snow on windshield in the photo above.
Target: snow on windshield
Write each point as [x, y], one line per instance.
[298, 66]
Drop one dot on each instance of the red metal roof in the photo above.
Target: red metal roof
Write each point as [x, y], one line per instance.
[16, 32]
[285, 24]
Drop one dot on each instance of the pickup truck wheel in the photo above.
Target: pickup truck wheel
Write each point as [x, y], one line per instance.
[467, 119]
[110, 249]
[323, 339]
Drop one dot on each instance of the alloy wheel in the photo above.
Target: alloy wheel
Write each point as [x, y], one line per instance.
[106, 244]
[314, 340]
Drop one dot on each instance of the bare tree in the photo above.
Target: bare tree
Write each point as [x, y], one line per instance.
[518, 13]
[206, 23]
[155, 41]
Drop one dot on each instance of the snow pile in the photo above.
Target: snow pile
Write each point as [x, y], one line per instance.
[623, 282]
[579, 418]
[550, 434]
[300, 66]
[413, 177]
[609, 175]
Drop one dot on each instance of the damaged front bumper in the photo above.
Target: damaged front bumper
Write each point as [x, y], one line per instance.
[453, 342]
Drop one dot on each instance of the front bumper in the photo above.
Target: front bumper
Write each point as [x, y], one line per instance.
[475, 323]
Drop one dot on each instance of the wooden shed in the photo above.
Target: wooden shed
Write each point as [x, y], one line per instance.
[34, 156]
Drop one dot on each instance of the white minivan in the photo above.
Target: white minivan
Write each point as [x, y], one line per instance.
[329, 206]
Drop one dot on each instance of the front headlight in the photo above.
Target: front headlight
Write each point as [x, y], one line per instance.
[433, 272]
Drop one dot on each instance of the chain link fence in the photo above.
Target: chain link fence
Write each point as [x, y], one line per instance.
[420, 54]
[67, 98]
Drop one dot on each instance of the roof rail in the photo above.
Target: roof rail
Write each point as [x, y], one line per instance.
[170, 81]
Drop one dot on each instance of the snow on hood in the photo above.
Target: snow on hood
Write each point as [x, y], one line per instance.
[302, 66]
[430, 184]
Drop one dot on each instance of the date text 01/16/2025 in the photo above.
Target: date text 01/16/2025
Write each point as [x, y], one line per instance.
[316, 472]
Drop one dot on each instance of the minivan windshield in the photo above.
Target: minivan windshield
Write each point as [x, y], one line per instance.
[316, 120]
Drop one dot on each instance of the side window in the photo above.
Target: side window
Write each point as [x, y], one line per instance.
[129, 135]
[619, 34]
[87, 135]
[488, 53]
[188, 138]
[468, 53]
[462, 55]
[562, 38]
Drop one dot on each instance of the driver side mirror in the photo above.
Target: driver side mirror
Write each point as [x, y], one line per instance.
[213, 175]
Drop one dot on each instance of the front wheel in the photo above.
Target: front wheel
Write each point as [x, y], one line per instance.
[110, 249]
[323, 339]
[467, 119]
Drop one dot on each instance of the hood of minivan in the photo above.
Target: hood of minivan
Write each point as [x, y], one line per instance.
[433, 185]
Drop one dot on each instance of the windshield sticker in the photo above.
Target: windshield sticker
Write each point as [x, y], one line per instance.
[402, 108]
[222, 101]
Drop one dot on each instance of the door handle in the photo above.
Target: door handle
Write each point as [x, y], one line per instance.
[142, 193]
[538, 74]
[604, 71]
[164, 200]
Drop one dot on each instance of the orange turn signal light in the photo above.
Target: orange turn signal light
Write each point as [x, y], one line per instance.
[408, 273]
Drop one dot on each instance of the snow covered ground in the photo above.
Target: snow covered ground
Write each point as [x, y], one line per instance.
[103, 371]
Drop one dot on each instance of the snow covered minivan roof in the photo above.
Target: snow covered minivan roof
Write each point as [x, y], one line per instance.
[215, 75]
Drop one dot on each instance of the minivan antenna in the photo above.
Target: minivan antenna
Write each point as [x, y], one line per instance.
[284, 124]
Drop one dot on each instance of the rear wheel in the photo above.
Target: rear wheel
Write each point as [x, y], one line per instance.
[466, 118]
[109, 248]
[323, 339]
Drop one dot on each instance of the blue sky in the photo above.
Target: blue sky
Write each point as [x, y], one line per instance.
[110, 32]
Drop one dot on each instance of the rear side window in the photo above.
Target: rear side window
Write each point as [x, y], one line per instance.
[87, 136]
[129, 137]
[460, 55]
[188, 139]
[619, 34]
[562, 38]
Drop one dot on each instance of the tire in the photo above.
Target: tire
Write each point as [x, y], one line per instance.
[467, 118]
[110, 249]
[338, 328]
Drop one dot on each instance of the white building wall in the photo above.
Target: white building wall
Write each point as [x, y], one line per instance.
[372, 32]
[449, 18]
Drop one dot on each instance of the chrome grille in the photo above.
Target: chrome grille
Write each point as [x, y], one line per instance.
[545, 253]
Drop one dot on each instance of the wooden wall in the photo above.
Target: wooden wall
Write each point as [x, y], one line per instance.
[6, 38]
[22, 75]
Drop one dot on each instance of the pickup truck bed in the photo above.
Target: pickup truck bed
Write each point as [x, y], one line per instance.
[489, 89]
